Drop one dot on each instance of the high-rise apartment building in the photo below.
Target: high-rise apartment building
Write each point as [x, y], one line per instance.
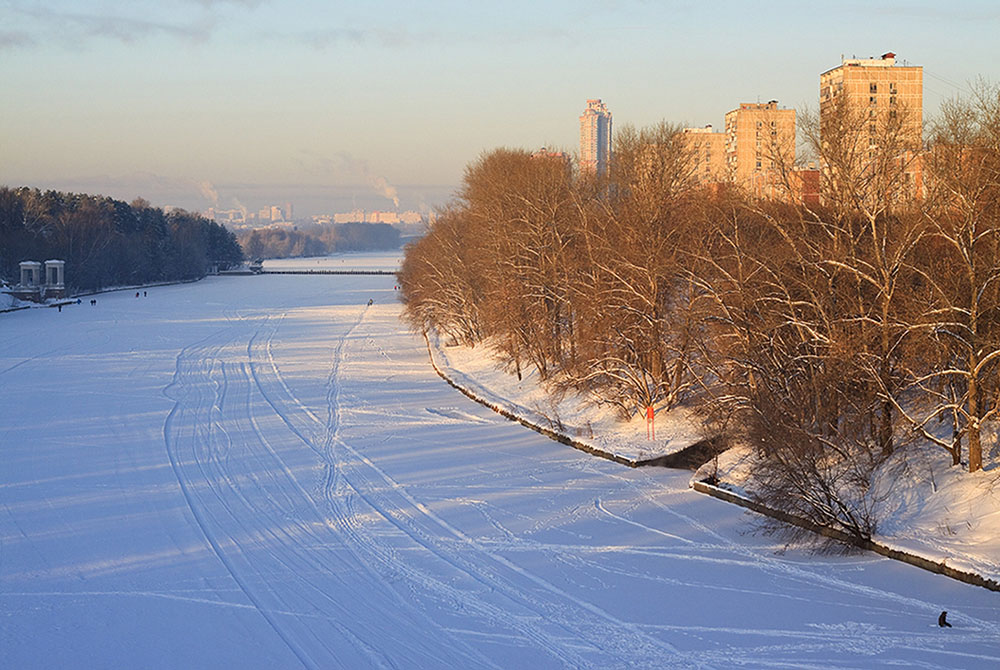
[595, 137]
[760, 139]
[707, 150]
[871, 94]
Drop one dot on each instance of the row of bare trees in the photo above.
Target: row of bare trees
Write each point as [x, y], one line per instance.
[828, 337]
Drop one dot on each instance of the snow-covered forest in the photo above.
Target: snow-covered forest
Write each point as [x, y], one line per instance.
[317, 239]
[831, 339]
[107, 242]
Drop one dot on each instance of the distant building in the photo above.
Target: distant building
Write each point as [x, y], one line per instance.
[226, 216]
[876, 90]
[545, 153]
[707, 150]
[354, 216]
[805, 186]
[382, 217]
[595, 138]
[760, 141]
[412, 218]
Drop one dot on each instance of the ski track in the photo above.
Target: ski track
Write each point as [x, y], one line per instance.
[342, 561]
[285, 555]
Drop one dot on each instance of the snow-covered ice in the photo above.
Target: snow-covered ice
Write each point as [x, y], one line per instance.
[264, 472]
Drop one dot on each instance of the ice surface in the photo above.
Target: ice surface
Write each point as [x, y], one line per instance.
[264, 472]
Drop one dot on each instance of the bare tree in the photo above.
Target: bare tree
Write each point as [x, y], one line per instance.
[963, 260]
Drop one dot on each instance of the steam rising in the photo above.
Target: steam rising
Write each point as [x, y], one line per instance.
[345, 162]
[208, 190]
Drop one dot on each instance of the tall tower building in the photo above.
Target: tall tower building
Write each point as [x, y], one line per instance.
[595, 137]
[874, 91]
[760, 139]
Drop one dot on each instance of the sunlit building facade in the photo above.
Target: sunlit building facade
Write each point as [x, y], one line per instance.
[595, 138]
[875, 89]
[707, 151]
[760, 142]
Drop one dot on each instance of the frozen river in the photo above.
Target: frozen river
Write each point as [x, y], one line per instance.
[264, 472]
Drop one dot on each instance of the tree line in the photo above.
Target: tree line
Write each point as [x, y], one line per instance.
[834, 339]
[107, 242]
[318, 240]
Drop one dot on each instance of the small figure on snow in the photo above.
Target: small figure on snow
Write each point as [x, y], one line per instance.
[370, 302]
[943, 620]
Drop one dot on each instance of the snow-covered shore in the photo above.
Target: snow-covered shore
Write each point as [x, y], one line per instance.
[477, 370]
[933, 510]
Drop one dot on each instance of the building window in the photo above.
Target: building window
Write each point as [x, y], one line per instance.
[871, 100]
[873, 88]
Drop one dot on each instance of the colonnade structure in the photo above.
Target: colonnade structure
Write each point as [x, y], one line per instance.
[40, 282]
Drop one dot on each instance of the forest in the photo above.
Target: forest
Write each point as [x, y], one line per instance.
[318, 240]
[830, 337]
[108, 242]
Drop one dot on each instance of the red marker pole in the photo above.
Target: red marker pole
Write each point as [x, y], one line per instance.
[650, 423]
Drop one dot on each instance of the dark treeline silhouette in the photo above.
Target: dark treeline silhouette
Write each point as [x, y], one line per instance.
[834, 339]
[108, 242]
[318, 240]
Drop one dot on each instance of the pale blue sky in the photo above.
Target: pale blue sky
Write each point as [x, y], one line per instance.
[311, 101]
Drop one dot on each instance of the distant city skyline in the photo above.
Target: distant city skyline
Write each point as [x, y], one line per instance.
[333, 105]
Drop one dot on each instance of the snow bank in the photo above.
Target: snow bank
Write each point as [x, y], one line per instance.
[599, 428]
[931, 510]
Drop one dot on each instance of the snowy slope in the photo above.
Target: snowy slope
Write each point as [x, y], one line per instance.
[928, 508]
[478, 370]
[263, 472]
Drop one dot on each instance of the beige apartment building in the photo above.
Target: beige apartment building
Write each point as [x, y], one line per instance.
[707, 150]
[760, 143]
[595, 137]
[876, 106]
[874, 92]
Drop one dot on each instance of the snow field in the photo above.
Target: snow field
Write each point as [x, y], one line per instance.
[263, 472]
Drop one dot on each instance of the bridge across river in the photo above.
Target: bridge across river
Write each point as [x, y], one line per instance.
[325, 272]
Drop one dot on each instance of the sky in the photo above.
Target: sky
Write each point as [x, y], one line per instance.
[334, 105]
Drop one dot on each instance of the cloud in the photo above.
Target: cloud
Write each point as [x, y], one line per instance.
[12, 39]
[40, 25]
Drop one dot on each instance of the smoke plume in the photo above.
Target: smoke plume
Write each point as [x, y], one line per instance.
[345, 162]
[208, 190]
